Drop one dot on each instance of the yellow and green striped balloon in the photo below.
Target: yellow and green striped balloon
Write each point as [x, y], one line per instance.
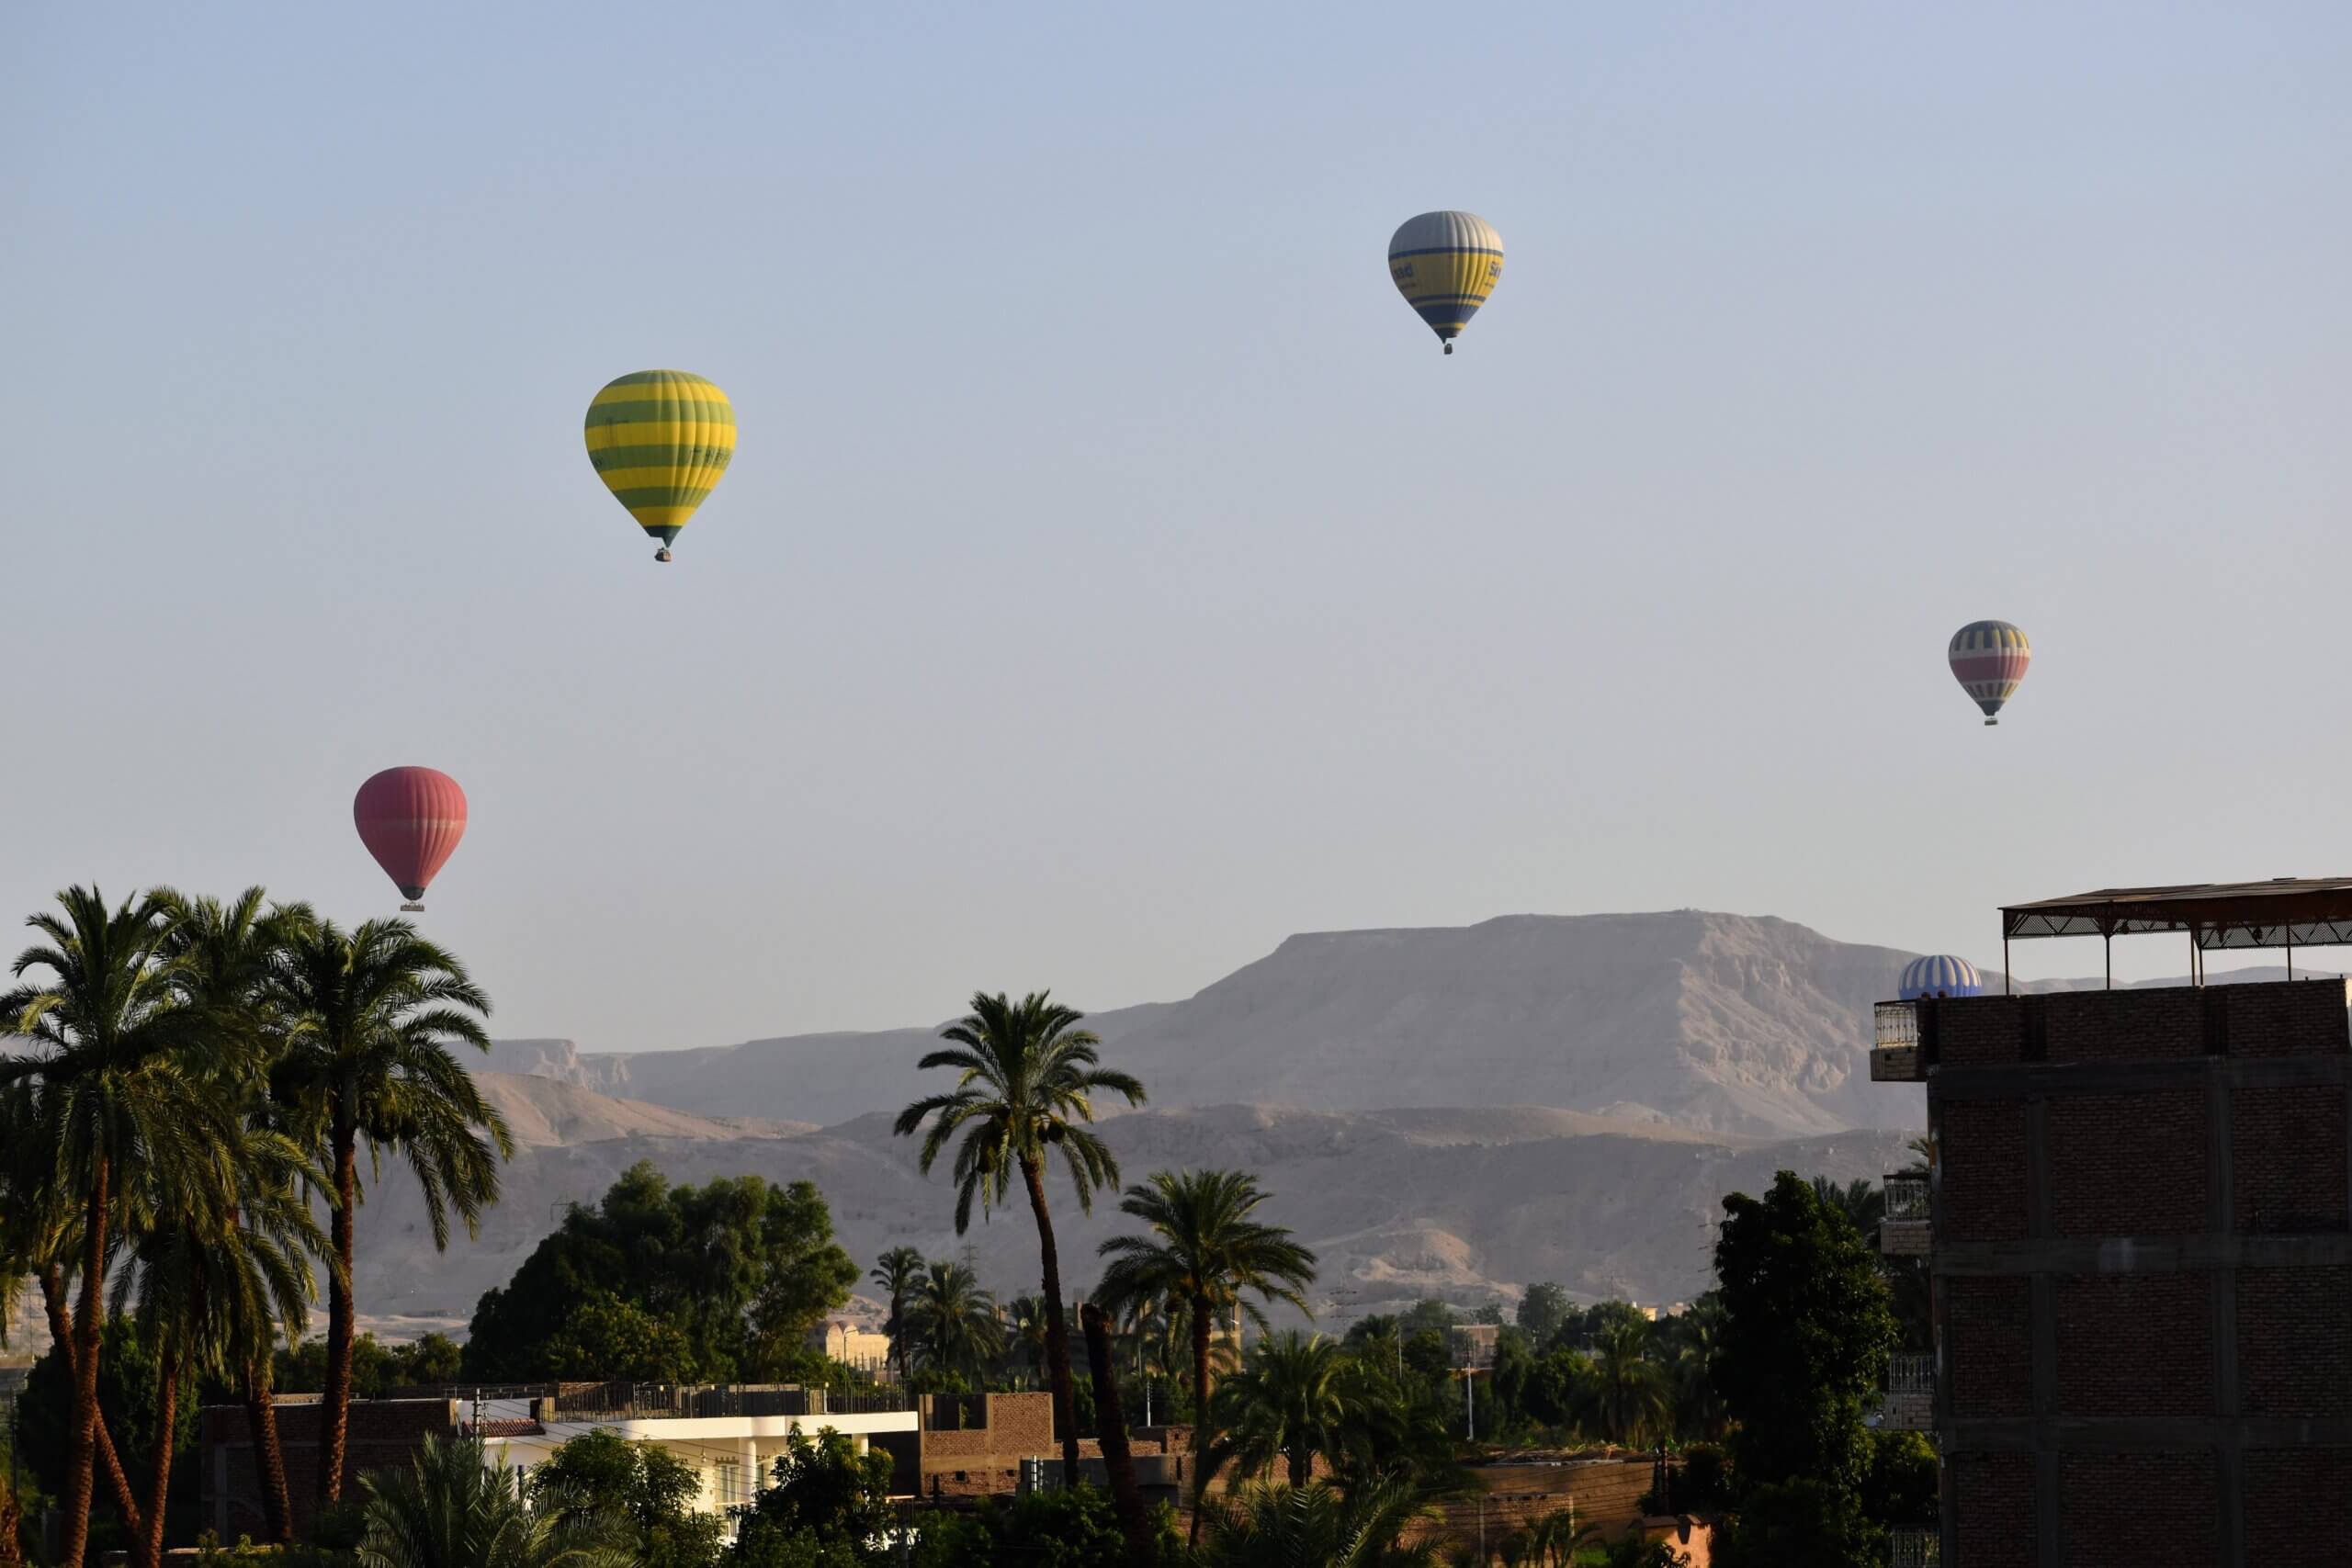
[661, 441]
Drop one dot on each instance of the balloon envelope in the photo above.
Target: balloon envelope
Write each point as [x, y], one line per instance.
[1988, 659]
[1445, 264]
[410, 820]
[661, 440]
[1940, 974]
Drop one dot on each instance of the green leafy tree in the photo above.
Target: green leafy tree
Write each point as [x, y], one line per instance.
[735, 1273]
[302, 1369]
[896, 1271]
[622, 1341]
[1070, 1528]
[642, 1484]
[825, 1493]
[454, 1508]
[1029, 1075]
[1544, 1311]
[109, 1122]
[370, 1017]
[1203, 1246]
[1900, 1488]
[1290, 1402]
[1426, 1315]
[1816, 1522]
[128, 1371]
[428, 1362]
[1806, 1332]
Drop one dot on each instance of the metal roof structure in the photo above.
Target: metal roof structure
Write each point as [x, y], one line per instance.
[2286, 911]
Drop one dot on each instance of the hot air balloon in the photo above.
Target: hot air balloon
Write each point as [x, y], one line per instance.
[661, 440]
[410, 820]
[1445, 264]
[1939, 976]
[1988, 659]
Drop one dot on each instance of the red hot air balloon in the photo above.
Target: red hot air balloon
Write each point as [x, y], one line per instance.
[410, 820]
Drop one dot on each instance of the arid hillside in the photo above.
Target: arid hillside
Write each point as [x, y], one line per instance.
[1723, 1023]
[1466, 1203]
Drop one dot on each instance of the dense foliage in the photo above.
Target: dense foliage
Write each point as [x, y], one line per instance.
[1050, 1530]
[718, 1283]
[648, 1494]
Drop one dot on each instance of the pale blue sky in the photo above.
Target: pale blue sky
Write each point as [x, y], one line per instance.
[1113, 577]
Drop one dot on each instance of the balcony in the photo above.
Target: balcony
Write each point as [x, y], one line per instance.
[1895, 1053]
[1916, 1549]
[1909, 1402]
[1903, 1230]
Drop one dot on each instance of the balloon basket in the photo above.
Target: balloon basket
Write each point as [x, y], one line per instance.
[1449, 348]
[1991, 722]
[661, 555]
[411, 909]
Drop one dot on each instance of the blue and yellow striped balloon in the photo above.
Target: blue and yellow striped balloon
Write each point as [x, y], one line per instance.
[1445, 264]
[661, 441]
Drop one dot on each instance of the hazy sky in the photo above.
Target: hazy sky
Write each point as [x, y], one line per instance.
[1113, 577]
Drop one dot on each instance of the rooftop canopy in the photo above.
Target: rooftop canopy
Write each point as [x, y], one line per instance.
[2288, 911]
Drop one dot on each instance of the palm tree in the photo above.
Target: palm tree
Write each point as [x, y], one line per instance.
[1314, 1526]
[896, 1271]
[113, 1125]
[1111, 1431]
[225, 952]
[956, 1321]
[1291, 1400]
[1554, 1540]
[1629, 1391]
[214, 1288]
[368, 1017]
[1863, 1202]
[1205, 1250]
[452, 1509]
[1029, 1075]
[1024, 1321]
[1696, 1335]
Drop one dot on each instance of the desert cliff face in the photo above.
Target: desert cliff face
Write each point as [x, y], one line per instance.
[1724, 1022]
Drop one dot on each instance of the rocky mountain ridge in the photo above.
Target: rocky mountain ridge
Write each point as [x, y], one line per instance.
[1728, 1023]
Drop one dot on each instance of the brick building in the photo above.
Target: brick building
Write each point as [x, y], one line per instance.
[2139, 1222]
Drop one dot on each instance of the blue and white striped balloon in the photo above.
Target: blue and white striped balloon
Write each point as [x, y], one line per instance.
[1940, 974]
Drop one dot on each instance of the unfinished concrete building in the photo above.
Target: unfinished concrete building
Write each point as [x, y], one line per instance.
[2139, 1222]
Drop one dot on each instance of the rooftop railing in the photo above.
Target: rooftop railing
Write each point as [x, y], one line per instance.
[1898, 1023]
[699, 1402]
[1916, 1548]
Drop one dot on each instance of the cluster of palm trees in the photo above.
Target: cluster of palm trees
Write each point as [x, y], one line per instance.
[1024, 1100]
[194, 1082]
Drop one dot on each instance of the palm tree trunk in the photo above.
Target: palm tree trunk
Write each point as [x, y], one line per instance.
[60, 1332]
[1056, 1342]
[906, 1345]
[148, 1551]
[1200, 1324]
[1301, 1460]
[81, 1448]
[1110, 1422]
[261, 1426]
[334, 1416]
